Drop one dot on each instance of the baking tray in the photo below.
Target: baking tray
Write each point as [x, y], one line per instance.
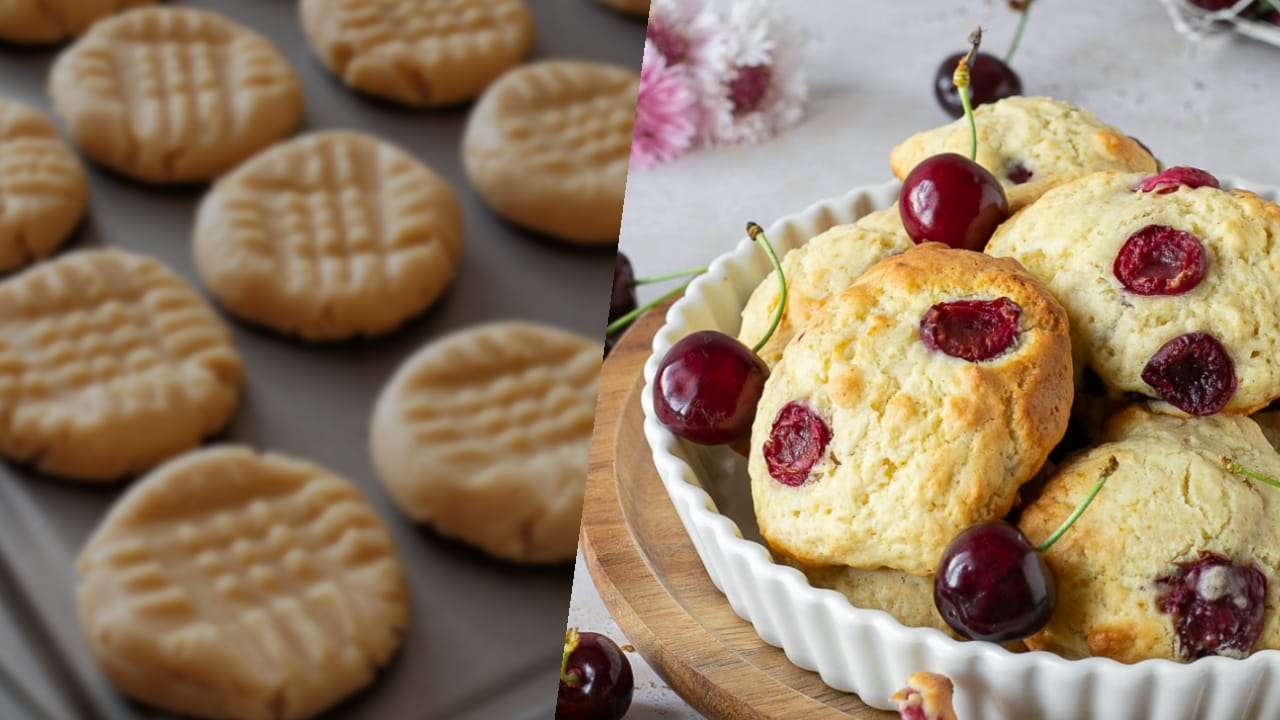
[484, 640]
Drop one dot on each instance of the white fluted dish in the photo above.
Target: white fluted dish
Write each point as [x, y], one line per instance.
[868, 652]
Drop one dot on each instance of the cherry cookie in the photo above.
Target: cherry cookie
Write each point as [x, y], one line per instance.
[822, 267]
[1175, 557]
[1030, 144]
[1169, 282]
[914, 406]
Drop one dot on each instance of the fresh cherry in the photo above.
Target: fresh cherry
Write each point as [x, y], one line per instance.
[1176, 177]
[1217, 606]
[707, 387]
[992, 585]
[796, 443]
[992, 79]
[1160, 260]
[595, 679]
[953, 200]
[623, 298]
[1213, 5]
[1192, 372]
[973, 330]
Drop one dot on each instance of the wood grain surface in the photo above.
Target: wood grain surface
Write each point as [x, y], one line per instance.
[653, 582]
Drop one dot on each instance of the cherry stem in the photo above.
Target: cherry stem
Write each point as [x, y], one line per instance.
[961, 79]
[1017, 34]
[571, 638]
[1107, 472]
[757, 235]
[669, 276]
[1236, 468]
[625, 320]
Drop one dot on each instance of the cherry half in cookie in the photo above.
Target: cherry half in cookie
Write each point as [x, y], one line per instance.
[1173, 178]
[596, 681]
[1160, 260]
[796, 443]
[1192, 372]
[1217, 606]
[973, 330]
[992, 584]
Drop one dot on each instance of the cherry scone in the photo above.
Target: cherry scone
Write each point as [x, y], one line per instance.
[1030, 144]
[1169, 282]
[912, 407]
[822, 267]
[1178, 556]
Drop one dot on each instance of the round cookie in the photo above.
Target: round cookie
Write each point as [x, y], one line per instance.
[39, 22]
[329, 236]
[109, 363]
[483, 434]
[908, 598]
[173, 95]
[1169, 505]
[822, 267]
[639, 8]
[43, 188]
[231, 584]
[547, 147]
[876, 441]
[423, 53]
[1072, 240]
[1030, 144]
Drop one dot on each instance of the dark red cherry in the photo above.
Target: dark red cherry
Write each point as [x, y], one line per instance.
[972, 330]
[707, 388]
[1159, 260]
[596, 682]
[796, 443]
[1274, 18]
[1192, 372]
[990, 79]
[953, 200]
[623, 298]
[1213, 5]
[1018, 173]
[1171, 179]
[992, 585]
[1217, 606]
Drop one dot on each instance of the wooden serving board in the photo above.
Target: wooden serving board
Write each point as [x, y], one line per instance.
[653, 582]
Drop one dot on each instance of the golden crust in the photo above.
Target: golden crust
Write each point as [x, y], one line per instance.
[1070, 238]
[1169, 500]
[923, 444]
[1056, 141]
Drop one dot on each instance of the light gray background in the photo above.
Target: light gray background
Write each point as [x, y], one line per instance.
[1215, 105]
[485, 637]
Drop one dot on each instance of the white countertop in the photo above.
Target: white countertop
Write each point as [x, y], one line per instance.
[1214, 105]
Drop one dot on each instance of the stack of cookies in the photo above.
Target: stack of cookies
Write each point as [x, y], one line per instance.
[1120, 314]
[228, 582]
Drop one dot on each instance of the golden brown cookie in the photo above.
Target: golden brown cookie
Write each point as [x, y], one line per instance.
[1030, 144]
[43, 189]
[419, 52]
[109, 364]
[915, 405]
[328, 236]
[547, 147]
[483, 434]
[229, 584]
[172, 94]
[40, 22]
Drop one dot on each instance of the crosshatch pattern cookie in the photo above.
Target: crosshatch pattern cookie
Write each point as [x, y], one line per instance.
[484, 433]
[1030, 144]
[43, 189]
[109, 363]
[51, 21]
[822, 267]
[329, 236]
[547, 147]
[1141, 271]
[231, 584]
[169, 94]
[419, 52]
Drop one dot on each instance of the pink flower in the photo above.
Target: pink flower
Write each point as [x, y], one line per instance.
[666, 112]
